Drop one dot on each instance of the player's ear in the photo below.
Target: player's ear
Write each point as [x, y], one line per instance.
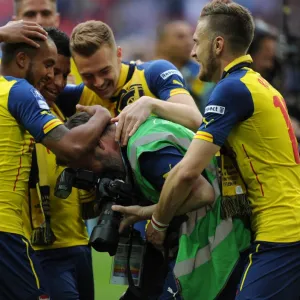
[119, 53]
[22, 60]
[101, 145]
[219, 45]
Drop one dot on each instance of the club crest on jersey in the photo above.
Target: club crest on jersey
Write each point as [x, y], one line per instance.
[169, 73]
[128, 96]
[215, 109]
[40, 99]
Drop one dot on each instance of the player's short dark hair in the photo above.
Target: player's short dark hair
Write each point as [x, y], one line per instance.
[10, 50]
[77, 120]
[88, 37]
[232, 21]
[17, 4]
[61, 40]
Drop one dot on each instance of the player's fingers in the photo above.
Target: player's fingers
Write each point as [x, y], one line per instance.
[38, 29]
[114, 120]
[128, 125]
[80, 107]
[119, 208]
[33, 35]
[30, 42]
[135, 128]
[119, 127]
[30, 23]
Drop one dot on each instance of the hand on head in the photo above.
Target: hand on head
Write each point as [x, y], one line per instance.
[22, 32]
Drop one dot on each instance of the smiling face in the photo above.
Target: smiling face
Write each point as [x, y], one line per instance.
[55, 87]
[40, 70]
[100, 72]
[203, 52]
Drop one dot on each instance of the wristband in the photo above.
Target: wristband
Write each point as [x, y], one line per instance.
[157, 225]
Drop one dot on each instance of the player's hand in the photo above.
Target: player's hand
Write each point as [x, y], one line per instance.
[131, 117]
[132, 214]
[91, 110]
[155, 237]
[22, 32]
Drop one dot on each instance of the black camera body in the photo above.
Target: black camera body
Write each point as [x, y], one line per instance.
[105, 235]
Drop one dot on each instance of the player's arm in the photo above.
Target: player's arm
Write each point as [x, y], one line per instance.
[31, 110]
[155, 167]
[167, 83]
[69, 145]
[178, 106]
[230, 103]
[22, 32]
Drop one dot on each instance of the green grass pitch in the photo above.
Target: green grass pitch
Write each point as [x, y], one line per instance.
[102, 271]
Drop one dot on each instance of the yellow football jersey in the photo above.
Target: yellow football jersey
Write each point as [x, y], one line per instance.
[22, 110]
[74, 77]
[159, 79]
[251, 115]
[66, 221]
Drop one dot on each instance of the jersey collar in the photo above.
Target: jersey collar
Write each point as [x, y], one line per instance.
[122, 78]
[238, 63]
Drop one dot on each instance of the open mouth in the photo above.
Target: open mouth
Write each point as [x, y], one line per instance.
[104, 87]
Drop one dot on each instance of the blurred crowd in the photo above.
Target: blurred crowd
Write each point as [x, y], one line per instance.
[140, 31]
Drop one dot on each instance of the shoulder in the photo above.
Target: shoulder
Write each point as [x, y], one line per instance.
[161, 68]
[230, 88]
[22, 89]
[19, 83]
[230, 94]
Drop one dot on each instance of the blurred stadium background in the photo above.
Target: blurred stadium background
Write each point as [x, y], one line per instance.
[134, 23]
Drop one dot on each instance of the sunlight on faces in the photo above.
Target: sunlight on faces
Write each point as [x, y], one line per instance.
[100, 72]
[204, 51]
[42, 12]
[40, 69]
[56, 86]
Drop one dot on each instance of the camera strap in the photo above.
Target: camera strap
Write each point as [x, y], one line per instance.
[135, 290]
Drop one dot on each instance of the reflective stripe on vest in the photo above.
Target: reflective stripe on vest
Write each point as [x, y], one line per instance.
[166, 136]
[204, 254]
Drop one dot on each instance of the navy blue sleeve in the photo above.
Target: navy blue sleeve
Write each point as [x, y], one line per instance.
[69, 98]
[155, 166]
[29, 108]
[164, 80]
[230, 103]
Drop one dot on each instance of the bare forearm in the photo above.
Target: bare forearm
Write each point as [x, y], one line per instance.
[188, 116]
[71, 145]
[175, 192]
[201, 195]
[88, 134]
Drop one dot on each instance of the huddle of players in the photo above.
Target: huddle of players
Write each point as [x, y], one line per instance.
[105, 77]
[67, 262]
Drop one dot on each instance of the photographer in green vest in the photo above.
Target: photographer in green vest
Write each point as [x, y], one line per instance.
[157, 146]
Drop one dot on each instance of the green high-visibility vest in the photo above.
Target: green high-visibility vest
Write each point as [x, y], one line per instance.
[209, 247]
